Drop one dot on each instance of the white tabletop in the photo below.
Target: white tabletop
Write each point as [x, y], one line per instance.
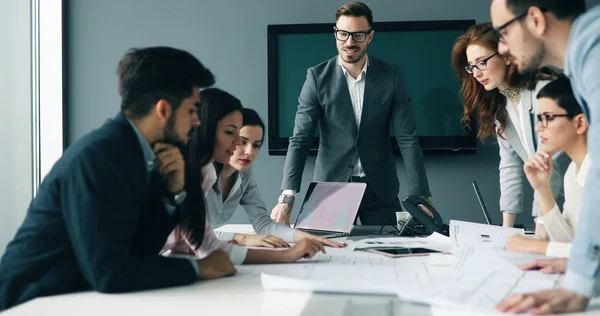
[230, 296]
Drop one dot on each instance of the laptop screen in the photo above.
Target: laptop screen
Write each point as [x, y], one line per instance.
[330, 206]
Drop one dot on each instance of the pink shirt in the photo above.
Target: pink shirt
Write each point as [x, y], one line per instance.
[179, 245]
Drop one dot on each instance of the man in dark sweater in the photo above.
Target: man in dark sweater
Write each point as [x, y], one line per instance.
[104, 211]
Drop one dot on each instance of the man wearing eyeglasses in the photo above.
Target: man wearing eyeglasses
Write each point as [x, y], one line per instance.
[353, 97]
[558, 33]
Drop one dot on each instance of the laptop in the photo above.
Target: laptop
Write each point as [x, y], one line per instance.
[485, 211]
[329, 208]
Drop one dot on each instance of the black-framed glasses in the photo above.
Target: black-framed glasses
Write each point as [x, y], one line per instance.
[498, 31]
[358, 37]
[481, 65]
[546, 117]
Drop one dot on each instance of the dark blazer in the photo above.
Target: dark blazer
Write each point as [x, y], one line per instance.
[95, 223]
[325, 100]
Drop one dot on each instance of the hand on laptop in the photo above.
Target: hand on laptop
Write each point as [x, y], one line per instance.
[268, 241]
[300, 235]
[281, 213]
[547, 266]
[306, 248]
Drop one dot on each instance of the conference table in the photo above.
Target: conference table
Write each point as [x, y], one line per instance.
[237, 296]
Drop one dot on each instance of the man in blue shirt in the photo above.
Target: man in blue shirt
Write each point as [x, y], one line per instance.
[558, 33]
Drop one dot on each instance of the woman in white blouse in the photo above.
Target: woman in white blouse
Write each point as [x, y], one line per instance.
[503, 103]
[562, 127]
[235, 186]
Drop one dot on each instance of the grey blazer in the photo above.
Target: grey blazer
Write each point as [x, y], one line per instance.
[245, 193]
[325, 100]
[513, 155]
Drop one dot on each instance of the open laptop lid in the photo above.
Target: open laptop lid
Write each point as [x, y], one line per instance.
[330, 206]
[482, 203]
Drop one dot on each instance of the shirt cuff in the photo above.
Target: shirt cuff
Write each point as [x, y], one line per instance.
[225, 236]
[558, 249]
[195, 265]
[588, 287]
[237, 254]
[288, 192]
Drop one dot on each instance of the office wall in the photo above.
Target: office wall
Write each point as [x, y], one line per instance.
[16, 158]
[230, 37]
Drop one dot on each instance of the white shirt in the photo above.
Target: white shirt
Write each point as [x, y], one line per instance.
[560, 228]
[519, 121]
[356, 88]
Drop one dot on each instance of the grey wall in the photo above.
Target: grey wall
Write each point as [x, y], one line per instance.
[230, 37]
[16, 158]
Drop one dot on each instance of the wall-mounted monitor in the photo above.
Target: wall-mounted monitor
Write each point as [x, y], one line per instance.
[421, 48]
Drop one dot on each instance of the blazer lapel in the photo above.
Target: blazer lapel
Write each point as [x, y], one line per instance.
[368, 98]
[529, 125]
[510, 133]
[346, 109]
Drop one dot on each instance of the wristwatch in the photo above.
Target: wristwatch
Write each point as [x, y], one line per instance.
[289, 199]
[176, 199]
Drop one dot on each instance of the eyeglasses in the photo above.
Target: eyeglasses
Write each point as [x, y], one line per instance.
[546, 117]
[358, 37]
[498, 31]
[481, 65]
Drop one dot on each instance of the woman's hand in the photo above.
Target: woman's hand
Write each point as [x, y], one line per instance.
[538, 170]
[300, 235]
[306, 248]
[268, 241]
[520, 243]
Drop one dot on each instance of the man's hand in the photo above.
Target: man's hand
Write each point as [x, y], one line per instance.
[556, 301]
[538, 170]
[547, 266]
[300, 235]
[520, 243]
[281, 213]
[306, 248]
[268, 241]
[216, 265]
[171, 166]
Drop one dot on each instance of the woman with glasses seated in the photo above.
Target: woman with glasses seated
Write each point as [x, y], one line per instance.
[562, 127]
[231, 184]
[503, 103]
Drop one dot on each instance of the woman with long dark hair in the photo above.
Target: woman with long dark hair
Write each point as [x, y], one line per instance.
[215, 140]
[503, 103]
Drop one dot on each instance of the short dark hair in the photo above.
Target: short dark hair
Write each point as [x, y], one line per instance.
[355, 9]
[148, 75]
[562, 9]
[251, 118]
[561, 92]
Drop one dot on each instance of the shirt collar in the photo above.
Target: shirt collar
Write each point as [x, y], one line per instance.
[583, 170]
[362, 72]
[149, 156]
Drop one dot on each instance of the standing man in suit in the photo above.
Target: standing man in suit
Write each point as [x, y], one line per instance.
[354, 98]
[562, 34]
[104, 211]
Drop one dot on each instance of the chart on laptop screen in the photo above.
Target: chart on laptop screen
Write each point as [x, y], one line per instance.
[331, 206]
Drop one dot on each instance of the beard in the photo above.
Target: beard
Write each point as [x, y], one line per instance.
[536, 59]
[353, 60]
[171, 136]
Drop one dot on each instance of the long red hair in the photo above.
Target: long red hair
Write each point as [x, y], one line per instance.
[486, 107]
